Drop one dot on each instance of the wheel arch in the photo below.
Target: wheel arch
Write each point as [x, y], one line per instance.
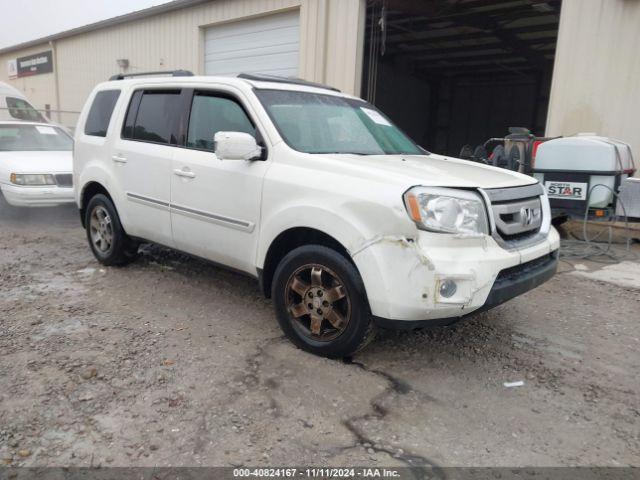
[289, 240]
[89, 190]
[298, 224]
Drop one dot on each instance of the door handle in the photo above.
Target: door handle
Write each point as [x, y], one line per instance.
[119, 158]
[184, 173]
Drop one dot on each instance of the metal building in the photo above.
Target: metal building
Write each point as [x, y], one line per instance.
[450, 72]
[316, 39]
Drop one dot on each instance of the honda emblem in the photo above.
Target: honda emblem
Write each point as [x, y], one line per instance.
[527, 216]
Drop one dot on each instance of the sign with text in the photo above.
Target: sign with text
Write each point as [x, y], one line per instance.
[12, 68]
[35, 64]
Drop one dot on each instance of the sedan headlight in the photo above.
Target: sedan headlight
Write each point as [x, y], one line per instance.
[447, 210]
[30, 179]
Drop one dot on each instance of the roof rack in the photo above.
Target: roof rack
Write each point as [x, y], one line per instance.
[259, 77]
[172, 73]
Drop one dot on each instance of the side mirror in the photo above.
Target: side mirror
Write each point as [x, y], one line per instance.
[236, 146]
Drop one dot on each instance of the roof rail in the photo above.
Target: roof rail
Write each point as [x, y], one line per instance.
[172, 73]
[259, 77]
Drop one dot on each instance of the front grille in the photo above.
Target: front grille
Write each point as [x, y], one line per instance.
[517, 214]
[518, 218]
[64, 180]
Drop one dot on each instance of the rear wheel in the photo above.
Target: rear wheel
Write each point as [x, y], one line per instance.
[107, 239]
[321, 303]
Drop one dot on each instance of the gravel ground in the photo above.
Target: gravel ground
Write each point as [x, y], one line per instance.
[174, 362]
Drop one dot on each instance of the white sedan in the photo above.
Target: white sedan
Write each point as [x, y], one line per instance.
[36, 164]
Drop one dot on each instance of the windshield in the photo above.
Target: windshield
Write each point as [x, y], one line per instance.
[22, 110]
[317, 123]
[33, 138]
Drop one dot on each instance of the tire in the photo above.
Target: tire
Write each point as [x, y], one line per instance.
[116, 247]
[513, 160]
[345, 324]
[499, 157]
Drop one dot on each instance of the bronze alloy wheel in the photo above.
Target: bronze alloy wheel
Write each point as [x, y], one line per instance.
[318, 303]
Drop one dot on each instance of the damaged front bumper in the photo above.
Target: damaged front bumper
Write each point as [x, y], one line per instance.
[510, 283]
[403, 277]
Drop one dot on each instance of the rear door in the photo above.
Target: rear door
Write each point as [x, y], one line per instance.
[142, 156]
[215, 204]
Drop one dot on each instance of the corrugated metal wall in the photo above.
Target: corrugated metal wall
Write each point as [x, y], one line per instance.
[597, 71]
[331, 43]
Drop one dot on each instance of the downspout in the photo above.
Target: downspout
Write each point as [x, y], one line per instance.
[55, 78]
[362, 20]
[324, 18]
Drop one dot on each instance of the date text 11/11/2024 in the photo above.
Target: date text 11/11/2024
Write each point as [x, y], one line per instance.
[316, 472]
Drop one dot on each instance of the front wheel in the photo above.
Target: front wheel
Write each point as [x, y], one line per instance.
[321, 303]
[107, 239]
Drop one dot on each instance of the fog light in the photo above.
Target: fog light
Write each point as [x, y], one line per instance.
[448, 288]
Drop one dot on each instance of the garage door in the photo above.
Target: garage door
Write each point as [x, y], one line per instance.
[260, 45]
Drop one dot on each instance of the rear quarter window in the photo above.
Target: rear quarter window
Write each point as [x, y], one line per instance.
[100, 113]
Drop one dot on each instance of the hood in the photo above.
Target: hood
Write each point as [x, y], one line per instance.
[429, 170]
[35, 162]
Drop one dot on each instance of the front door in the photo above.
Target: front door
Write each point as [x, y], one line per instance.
[215, 204]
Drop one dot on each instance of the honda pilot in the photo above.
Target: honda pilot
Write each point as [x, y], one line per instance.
[346, 223]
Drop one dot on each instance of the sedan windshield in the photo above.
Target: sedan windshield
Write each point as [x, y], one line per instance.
[317, 123]
[24, 138]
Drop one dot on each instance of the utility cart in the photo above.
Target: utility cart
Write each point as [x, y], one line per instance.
[583, 170]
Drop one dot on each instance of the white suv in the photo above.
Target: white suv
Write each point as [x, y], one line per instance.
[345, 221]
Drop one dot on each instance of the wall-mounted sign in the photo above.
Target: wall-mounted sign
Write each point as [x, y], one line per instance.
[12, 68]
[35, 64]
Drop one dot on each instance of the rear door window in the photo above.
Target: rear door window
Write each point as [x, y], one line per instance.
[100, 113]
[157, 117]
[210, 114]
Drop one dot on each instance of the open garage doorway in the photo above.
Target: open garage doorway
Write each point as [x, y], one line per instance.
[458, 72]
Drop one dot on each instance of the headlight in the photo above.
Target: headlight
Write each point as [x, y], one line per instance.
[447, 210]
[29, 179]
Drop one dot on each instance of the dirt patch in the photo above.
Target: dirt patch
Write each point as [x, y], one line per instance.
[172, 362]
